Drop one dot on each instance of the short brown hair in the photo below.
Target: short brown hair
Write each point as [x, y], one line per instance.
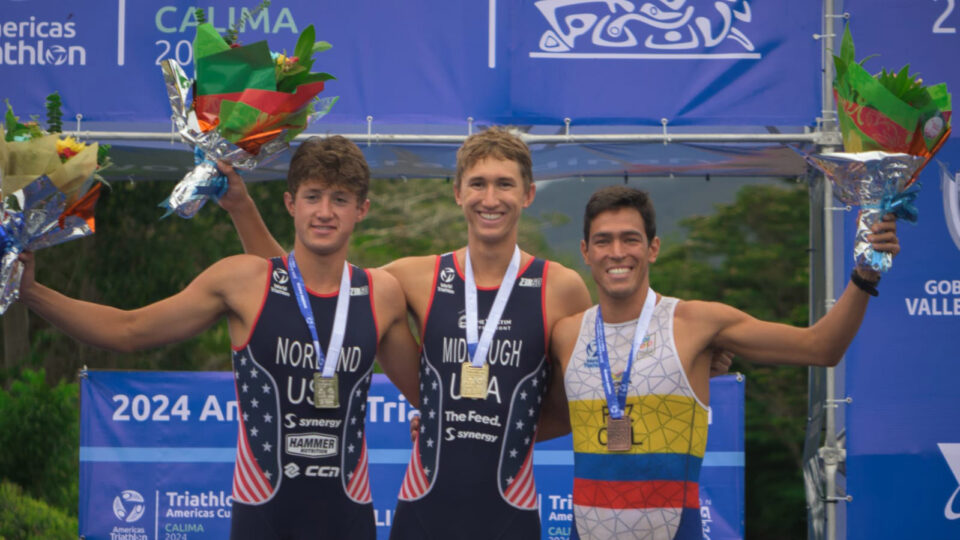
[333, 160]
[616, 197]
[498, 143]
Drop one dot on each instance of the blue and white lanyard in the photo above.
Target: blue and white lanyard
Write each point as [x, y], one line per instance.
[478, 349]
[617, 400]
[328, 361]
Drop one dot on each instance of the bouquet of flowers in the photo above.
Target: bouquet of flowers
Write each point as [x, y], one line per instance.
[892, 125]
[48, 192]
[247, 104]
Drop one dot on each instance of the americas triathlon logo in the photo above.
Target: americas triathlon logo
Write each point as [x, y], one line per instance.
[950, 185]
[129, 506]
[951, 453]
[37, 41]
[661, 29]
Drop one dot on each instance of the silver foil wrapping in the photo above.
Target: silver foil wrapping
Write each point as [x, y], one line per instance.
[868, 180]
[198, 185]
[30, 221]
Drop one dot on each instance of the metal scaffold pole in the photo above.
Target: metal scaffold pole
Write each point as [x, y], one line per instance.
[823, 460]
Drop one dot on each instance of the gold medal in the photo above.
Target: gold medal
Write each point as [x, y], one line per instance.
[473, 381]
[326, 391]
[619, 434]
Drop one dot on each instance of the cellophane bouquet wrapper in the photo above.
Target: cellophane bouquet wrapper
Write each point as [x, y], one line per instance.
[244, 107]
[47, 196]
[892, 125]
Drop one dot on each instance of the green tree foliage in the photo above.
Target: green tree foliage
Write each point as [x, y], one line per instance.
[25, 518]
[39, 434]
[753, 254]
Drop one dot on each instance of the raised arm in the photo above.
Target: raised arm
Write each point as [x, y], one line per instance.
[253, 232]
[397, 351]
[822, 344]
[567, 295]
[223, 289]
[415, 275]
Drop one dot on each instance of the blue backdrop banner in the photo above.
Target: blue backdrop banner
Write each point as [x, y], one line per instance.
[695, 62]
[903, 441]
[157, 452]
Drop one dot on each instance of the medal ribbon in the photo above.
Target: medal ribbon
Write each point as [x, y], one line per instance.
[328, 361]
[478, 349]
[617, 401]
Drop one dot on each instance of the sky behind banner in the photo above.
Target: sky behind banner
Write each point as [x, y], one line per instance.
[693, 62]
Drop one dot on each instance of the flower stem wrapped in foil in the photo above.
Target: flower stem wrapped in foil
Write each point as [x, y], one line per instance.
[878, 183]
[247, 106]
[39, 216]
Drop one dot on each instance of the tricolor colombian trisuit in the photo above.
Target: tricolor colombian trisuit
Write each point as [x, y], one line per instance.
[650, 492]
[471, 470]
[301, 472]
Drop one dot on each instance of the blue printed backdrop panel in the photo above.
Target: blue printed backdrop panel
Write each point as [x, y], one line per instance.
[691, 62]
[157, 452]
[433, 61]
[903, 444]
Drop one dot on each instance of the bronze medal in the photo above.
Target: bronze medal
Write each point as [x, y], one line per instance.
[619, 434]
[326, 391]
[473, 381]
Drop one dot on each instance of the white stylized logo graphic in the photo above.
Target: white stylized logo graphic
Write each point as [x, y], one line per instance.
[950, 185]
[447, 274]
[951, 453]
[129, 506]
[645, 29]
[280, 276]
[292, 470]
[38, 41]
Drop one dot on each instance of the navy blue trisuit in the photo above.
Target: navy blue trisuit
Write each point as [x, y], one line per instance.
[301, 472]
[470, 474]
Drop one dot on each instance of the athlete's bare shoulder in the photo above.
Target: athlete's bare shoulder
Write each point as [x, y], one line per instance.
[412, 271]
[566, 292]
[387, 293]
[241, 278]
[564, 337]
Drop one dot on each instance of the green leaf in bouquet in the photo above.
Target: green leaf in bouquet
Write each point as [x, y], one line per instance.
[304, 49]
[103, 155]
[847, 51]
[233, 34]
[878, 96]
[16, 130]
[290, 84]
[293, 71]
[846, 56]
[321, 46]
[906, 87]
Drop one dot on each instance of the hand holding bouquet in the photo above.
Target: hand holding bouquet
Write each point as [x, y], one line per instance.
[247, 105]
[49, 189]
[892, 125]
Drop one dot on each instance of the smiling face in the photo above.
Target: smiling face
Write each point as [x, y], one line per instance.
[619, 253]
[493, 194]
[324, 215]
